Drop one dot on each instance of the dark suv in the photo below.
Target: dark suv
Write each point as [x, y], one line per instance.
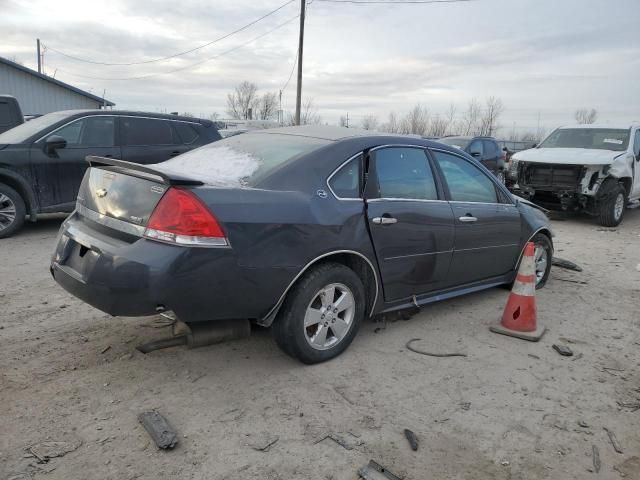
[42, 162]
[485, 149]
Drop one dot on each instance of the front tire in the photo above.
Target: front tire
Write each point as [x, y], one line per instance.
[321, 314]
[612, 205]
[12, 211]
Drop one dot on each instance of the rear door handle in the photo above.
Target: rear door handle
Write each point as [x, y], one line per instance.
[174, 154]
[384, 220]
[468, 219]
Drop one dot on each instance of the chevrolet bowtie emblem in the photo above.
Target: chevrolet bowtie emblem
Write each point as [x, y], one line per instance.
[102, 192]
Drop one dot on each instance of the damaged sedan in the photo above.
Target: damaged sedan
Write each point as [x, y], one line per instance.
[309, 230]
[588, 168]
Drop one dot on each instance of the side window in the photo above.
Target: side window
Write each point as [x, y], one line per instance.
[405, 173]
[5, 114]
[466, 182]
[476, 146]
[490, 149]
[187, 133]
[636, 144]
[89, 132]
[146, 131]
[345, 183]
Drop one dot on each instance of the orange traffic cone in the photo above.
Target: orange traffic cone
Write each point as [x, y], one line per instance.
[519, 317]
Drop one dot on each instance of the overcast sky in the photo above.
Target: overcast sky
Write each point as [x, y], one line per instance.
[541, 57]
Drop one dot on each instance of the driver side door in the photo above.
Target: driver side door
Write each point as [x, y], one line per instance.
[59, 173]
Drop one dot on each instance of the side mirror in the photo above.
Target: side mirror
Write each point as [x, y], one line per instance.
[505, 149]
[535, 145]
[475, 153]
[53, 143]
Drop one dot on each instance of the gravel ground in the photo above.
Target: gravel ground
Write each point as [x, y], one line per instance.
[509, 410]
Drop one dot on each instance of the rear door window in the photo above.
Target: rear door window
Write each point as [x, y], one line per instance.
[89, 132]
[490, 148]
[476, 146]
[5, 114]
[146, 131]
[466, 182]
[404, 173]
[186, 132]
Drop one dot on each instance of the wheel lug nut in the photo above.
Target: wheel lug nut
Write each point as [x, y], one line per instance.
[322, 316]
[335, 310]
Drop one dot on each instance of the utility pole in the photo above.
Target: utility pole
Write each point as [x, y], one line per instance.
[300, 45]
[39, 56]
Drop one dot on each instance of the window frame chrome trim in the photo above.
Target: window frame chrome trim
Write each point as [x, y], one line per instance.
[114, 116]
[335, 171]
[436, 149]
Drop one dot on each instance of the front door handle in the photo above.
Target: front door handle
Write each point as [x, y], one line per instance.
[384, 220]
[468, 219]
[174, 154]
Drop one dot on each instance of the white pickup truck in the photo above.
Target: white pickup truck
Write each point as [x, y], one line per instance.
[589, 168]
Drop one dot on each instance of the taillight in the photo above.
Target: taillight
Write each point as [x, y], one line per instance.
[181, 218]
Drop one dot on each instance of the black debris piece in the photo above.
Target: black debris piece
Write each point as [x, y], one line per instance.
[375, 471]
[563, 350]
[566, 264]
[159, 429]
[412, 439]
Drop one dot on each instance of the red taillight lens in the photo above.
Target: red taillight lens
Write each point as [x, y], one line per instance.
[180, 217]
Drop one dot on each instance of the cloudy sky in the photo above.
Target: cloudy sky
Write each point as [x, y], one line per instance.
[543, 58]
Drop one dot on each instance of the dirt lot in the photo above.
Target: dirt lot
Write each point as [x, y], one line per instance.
[510, 410]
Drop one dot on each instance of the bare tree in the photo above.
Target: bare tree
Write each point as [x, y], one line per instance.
[490, 116]
[214, 116]
[267, 106]
[586, 116]
[242, 100]
[344, 121]
[469, 123]
[392, 125]
[308, 115]
[370, 122]
[416, 121]
[438, 126]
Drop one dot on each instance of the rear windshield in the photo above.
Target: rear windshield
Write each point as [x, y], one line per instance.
[592, 138]
[22, 132]
[455, 142]
[241, 160]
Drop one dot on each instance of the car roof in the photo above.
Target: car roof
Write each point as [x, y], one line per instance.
[324, 132]
[619, 126]
[136, 113]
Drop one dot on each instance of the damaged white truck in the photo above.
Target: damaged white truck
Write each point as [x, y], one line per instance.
[586, 168]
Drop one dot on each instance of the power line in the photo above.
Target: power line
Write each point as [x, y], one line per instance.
[391, 2]
[179, 53]
[221, 54]
[293, 68]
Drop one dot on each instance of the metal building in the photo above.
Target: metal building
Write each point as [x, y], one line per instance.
[39, 94]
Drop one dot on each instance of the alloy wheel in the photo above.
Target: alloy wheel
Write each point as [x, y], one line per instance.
[541, 261]
[7, 211]
[619, 206]
[329, 316]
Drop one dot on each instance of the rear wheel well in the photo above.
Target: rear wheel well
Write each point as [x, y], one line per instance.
[361, 267]
[353, 260]
[19, 187]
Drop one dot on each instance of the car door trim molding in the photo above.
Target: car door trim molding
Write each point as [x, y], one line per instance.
[418, 255]
[269, 317]
[114, 116]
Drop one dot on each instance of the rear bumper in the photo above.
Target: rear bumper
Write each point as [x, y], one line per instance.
[141, 277]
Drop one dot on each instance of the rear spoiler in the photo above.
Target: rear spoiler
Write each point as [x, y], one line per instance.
[132, 168]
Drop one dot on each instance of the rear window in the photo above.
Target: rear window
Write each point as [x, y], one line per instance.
[455, 142]
[242, 160]
[146, 131]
